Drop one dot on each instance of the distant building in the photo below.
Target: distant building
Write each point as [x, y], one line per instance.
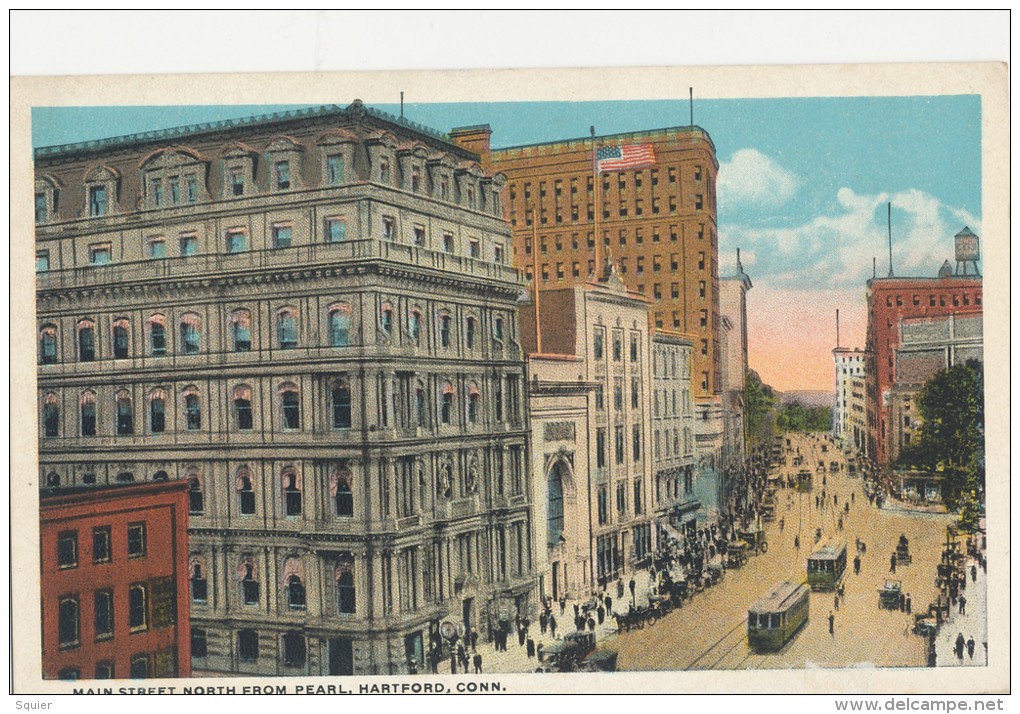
[928, 345]
[733, 307]
[604, 327]
[849, 365]
[114, 582]
[891, 300]
[856, 421]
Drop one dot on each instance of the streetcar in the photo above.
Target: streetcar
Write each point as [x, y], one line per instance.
[826, 566]
[777, 616]
[804, 480]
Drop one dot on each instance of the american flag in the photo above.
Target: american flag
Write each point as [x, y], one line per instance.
[620, 158]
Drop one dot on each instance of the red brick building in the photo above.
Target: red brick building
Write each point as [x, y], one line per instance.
[114, 582]
[890, 300]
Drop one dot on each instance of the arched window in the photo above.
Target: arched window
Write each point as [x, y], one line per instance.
[157, 411]
[386, 319]
[291, 492]
[87, 405]
[340, 397]
[199, 582]
[345, 592]
[157, 335]
[446, 406]
[290, 407]
[51, 415]
[249, 581]
[242, 407]
[121, 339]
[86, 341]
[160, 476]
[125, 414]
[414, 325]
[68, 622]
[240, 325]
[196, 497]
[191, 333]
[294, 649]
[497, 329]
[554, 512]
[293, 578]
[469, 331]
[192, 409]
[287, 328]
[339, 325]
[473, 403]
[340, 490]
[245, 492]
[444, 330]
[48, 344]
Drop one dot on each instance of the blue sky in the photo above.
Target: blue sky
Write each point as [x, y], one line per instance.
[803, 182]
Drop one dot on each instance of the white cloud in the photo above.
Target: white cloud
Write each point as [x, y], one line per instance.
[751, 177]
[835, 249]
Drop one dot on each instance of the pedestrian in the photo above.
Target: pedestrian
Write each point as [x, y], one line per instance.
[835, 500]
[852, 496]
[474, 639]
[543, 622]
[832, 624]
[552, 625]
[521, 636]
[577, 609]
[970, 647]
[579, 623]
[602, 614]
[563, 604]
[892, 563]
[963, 605]
[531, 647]
[591, 624]
[796, 542]
[973, 573]
[453, 662]
[903, 602]
[857, 565]
[835, 601]
[609, 604]
[478, 662]
[908, 603]
[960, 644]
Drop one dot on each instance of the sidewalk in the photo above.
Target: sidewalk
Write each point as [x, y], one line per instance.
[972, 624]
[516, 659]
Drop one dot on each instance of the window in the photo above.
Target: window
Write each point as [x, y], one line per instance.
[157, 335]
[291, 407]
[42, 261]
[343, 499]
[199, 643]
[51, 416]
[199, 583]
[386, 319]
[41, 208]
[191, 334]
[448, 243]
[621, 498]
[293, 650]
[120, 339]
[189, 245]
[247, 645]
[282, 236]
[335, 169]
[242, 408]
[341, 402]
[345, 593]
[246, 494]
[191, 189]
[295, 593]
[600, 448]
[157, 411]
[68, 622]
[48, 345]
[291, 493]
[470, 332]
[97, 201]
[282, 175]
[388, 225]
[414, 325]
[340, 326]
[474, 248]
[249, 584]
[237, 241]
[105, 670]
[236, 181]
[446, 408]
[636, 443]
[287, 329]
[418, 236]
[635, 391]
[474, 399]
[138, 608]
[136, 540]
[196, 498]
[701, 260]
[603, 505]
[101, 552]
[240, 322]
[444, 330]
[103, 614]
[86, 341]
[336, 230]
[617, 349]
[619, 445]
[554, 509]
[618, 395]
[67, 549]
[125, 416]
[497, 330]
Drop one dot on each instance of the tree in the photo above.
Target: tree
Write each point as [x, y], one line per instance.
[761, 406]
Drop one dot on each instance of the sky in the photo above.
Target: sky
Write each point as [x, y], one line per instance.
[803, 186]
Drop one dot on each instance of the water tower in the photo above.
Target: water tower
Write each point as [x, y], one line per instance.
[967, 252]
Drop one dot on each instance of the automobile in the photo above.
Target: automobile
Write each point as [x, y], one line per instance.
[889, 594]
[565, 655]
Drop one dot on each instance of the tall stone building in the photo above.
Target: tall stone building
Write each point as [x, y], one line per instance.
[849, 365]
[601, 502]
[658, 223]
[310, 317]
[733, 308]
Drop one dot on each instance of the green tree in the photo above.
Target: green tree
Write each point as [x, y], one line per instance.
[761, 409]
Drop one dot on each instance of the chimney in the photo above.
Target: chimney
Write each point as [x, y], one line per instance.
[476, 139]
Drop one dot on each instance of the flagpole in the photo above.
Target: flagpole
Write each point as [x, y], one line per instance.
[595, 197]
[534, 282]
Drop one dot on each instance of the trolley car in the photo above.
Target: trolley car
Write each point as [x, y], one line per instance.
[775, 618]
[826, 566]
[804, 480]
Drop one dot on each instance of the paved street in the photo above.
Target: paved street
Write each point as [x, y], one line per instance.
[709, 631]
